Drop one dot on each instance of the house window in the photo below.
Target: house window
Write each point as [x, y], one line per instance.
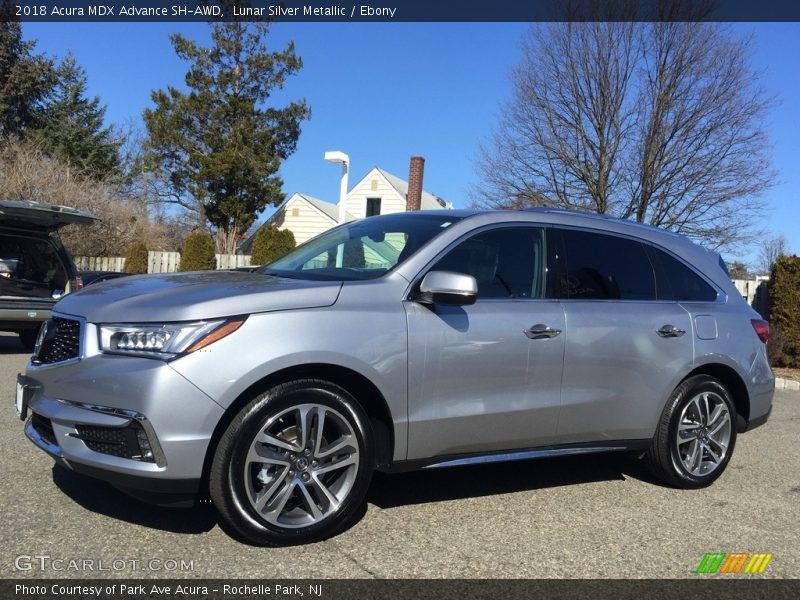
[373, 206]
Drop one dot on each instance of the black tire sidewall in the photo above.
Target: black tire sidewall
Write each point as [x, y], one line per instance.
[683, 397]
[246, 426]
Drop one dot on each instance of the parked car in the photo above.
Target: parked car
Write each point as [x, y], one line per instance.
[405, 341]
[35, 268]
[92, 277]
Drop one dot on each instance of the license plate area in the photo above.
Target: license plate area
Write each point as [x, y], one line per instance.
[22, 397]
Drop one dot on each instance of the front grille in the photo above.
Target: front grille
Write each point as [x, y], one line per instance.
[44, 428]
[123, 442]
[60, 341]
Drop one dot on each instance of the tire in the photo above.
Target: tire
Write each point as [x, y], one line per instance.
[695, 436]
[273, 490]
[28, 338]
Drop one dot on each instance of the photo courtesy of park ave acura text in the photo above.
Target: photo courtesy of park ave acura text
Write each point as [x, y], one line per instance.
[408, 300]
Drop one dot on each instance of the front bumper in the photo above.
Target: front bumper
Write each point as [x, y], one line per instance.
[120, 394]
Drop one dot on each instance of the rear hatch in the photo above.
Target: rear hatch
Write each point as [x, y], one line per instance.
[26, 214]
[34, 266]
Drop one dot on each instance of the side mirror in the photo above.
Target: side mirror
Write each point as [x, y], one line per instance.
[447, 287]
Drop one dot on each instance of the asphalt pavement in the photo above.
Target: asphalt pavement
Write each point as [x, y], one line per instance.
[591, 517]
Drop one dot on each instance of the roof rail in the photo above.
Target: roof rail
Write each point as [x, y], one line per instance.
[599, 216]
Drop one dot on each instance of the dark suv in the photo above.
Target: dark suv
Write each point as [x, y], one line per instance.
[35, 268]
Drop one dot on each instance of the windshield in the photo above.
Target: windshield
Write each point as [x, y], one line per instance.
[363, 249]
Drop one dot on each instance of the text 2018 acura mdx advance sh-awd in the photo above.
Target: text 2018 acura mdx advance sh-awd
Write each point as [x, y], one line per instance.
[402, 341]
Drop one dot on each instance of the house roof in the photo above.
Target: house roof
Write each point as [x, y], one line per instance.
[330, 210]
[429, 201]
[327, 209]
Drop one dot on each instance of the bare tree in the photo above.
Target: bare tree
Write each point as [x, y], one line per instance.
[772, 248]
[738, 270]
[656, 122]
[559, 139]
[28, 173]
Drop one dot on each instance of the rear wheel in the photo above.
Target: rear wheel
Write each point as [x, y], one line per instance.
[294, 465]
[696, 435]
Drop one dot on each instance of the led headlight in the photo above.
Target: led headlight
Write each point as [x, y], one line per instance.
[165, 340]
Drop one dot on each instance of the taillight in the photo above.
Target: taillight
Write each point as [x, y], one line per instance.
[762, 329]
[78, 283]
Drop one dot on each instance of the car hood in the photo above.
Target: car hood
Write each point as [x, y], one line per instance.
[194, 296]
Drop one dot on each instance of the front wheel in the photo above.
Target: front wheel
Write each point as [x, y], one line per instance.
[294, 465]
[696, 435]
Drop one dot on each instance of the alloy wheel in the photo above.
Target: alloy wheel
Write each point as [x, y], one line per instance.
[301, 466]
[703, 434]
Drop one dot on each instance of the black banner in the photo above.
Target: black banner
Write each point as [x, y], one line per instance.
[400, 10]
[703, 587]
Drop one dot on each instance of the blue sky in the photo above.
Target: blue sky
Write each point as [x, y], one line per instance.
[382, 92]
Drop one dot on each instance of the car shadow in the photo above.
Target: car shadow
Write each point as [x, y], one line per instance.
[100, 497]
[386, 491]
[437, 485]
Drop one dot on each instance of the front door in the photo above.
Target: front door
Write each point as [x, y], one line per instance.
[487, 377]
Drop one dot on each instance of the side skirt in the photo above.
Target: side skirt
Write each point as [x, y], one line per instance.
[461, 460]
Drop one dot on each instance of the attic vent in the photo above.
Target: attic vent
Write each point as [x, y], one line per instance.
[295, 212]
[374, 185]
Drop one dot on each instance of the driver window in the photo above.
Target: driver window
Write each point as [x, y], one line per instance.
[506, 263]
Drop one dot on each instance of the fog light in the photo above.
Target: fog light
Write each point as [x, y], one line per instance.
[144, 445]
[130, 441]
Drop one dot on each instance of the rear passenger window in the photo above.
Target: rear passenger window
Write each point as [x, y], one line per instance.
[506, 263]
[678, 282]
[596, 266]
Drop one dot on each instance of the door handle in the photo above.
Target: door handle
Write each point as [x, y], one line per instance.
[540, 330]
[670, 331]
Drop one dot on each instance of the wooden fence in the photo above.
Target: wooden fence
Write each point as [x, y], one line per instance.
[157, 262]
[754, 291]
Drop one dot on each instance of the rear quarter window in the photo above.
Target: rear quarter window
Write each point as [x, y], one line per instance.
[676, 281]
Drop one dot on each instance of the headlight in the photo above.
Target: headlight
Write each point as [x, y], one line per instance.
[166, 340]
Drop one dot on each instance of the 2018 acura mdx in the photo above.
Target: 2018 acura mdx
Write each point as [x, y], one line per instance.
[411, 340]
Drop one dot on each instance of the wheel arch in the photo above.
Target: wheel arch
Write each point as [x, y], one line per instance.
[360, 387]
[734, 383]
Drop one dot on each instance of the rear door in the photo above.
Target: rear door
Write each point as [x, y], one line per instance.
[626, 349]
[477, 381]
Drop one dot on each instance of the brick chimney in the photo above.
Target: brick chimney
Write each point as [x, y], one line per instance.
[415, 172]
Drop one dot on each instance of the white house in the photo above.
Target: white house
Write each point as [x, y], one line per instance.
[377, 193]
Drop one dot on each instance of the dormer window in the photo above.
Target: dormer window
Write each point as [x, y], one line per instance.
[373, 206]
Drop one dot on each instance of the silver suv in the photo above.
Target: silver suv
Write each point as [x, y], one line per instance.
[412, 340]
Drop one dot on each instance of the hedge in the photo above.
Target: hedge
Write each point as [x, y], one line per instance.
[198, 253]
[136, 258]
[784, 316]
[270, 244]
